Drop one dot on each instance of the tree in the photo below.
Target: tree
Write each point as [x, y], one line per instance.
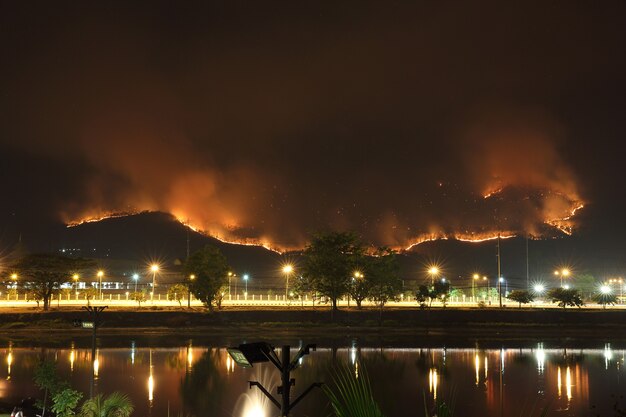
[139, 297]
[47, 380]
[383, 274]
[115, 405]
[521, 297]
[604, 299]
[565, 298]
[329, 262]
[90, 293]
[65, 402]
[422, 295]
[359, 289]
[44, 273]
[210, 268]
[177, 292]
[441, 291]
[300, 288]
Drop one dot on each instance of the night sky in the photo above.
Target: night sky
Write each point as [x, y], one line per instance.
[266, 121]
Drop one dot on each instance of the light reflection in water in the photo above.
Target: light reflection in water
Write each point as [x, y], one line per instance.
[433, 382]
[608, 355]
[486, 368]
[9, 363]
[541, 358]
[189, 356]
[230, 364]
[569, 372]
[568, 384]
[477, 367]
[132, 352]
[96, 364]
[151, 382]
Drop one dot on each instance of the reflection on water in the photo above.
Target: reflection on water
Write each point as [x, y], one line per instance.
[194, 380]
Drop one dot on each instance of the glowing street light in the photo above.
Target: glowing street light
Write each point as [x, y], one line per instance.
[230, 275]
[100, 275]
[191, 278]
[246, 277]
[606, 289]
[433, 271]
[475, 277]
[154, 268]
[563, 273]
[136, 278]
[539, 288]
[287, 270]
[75, 278]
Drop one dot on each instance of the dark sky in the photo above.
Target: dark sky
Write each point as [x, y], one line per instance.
[270, 120]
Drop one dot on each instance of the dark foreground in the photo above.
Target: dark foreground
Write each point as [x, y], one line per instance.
[508, 323]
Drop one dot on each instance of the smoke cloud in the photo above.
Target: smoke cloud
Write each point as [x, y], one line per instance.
[267, 129]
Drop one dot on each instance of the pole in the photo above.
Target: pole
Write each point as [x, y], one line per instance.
[153, 283]
[473, 291]
[527, 268]
[287, 288]
[284, 410]
[499, 274]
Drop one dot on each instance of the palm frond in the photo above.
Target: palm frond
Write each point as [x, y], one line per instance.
[351, 396]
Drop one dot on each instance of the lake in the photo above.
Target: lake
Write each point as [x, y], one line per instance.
[169, 376]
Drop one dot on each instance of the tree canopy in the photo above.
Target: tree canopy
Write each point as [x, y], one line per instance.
[521, 297]
[565, 298]
[383, 275]
[43, 273]
[329, 263]
[210, 268]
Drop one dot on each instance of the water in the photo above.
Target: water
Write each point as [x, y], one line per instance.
[164, 377]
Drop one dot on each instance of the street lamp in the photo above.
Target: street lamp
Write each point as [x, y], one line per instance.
[488, 289]
[100, 275]
[230, 275]
[136, 277]
[191, 278]
[475, 277]
[75, 278]
[539, 288]
[245, 278]
[620, 282]
[154, 268]
[433, 271]
[14, 279]
[563, 273]
[287, 270]
[500, 281]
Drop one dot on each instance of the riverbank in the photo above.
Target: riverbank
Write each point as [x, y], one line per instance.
[471, 322]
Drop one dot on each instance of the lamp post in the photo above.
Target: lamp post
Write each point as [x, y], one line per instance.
[433, 271]
[75, 278]
[500, 281]
[230, 275]
[154, 268]
[488, 289]
[474, 278]
[563, 273]
[191, 278]
[100, 275]
[14, 279]
[135, 277]
[245, 278]
[287, 270]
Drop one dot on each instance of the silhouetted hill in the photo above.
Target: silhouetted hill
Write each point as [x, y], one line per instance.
[130, 243]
